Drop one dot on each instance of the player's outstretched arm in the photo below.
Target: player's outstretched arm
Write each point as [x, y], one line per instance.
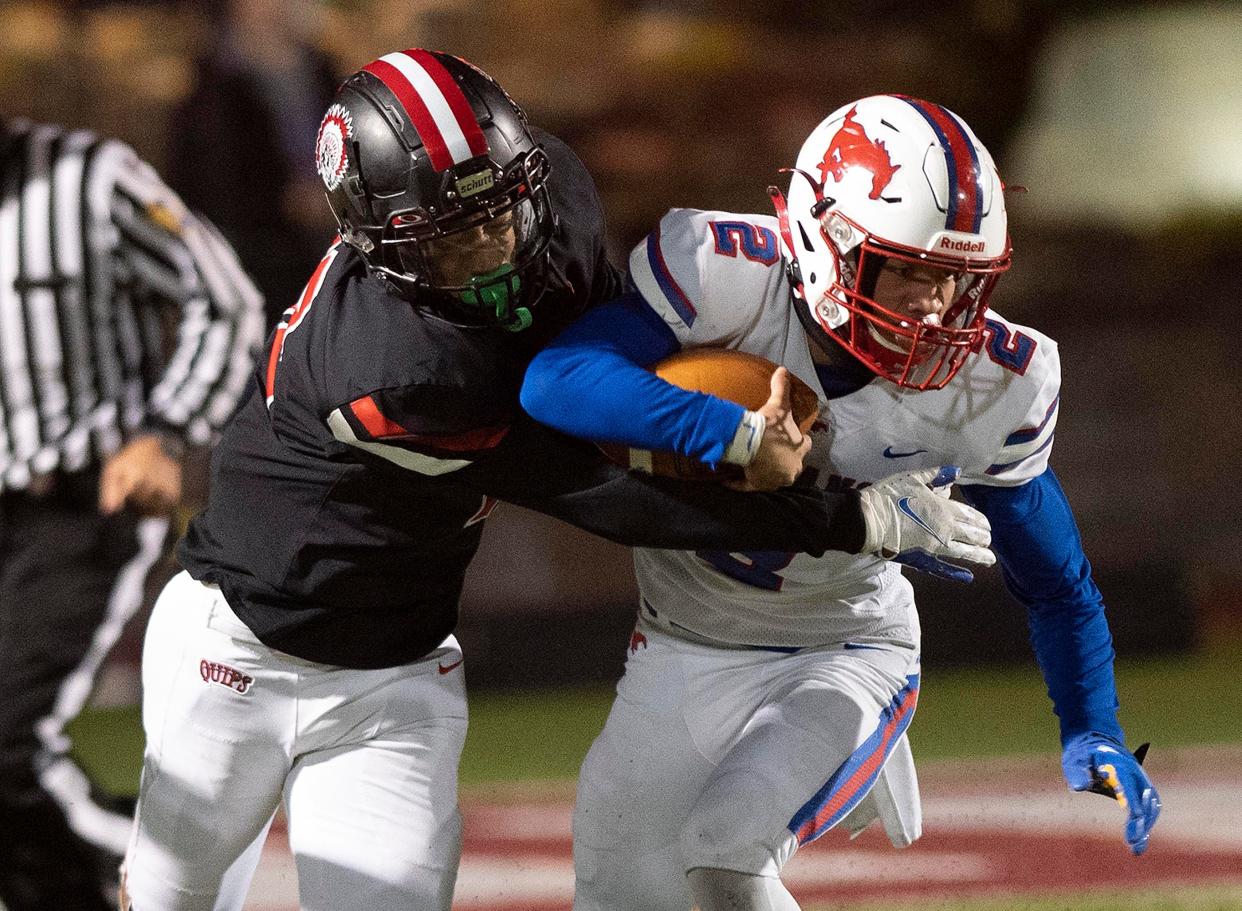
[569, 479]
[1040, 551]
[1102, 764]
[910, 519]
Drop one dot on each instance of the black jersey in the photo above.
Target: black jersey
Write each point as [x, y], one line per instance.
[348, 495]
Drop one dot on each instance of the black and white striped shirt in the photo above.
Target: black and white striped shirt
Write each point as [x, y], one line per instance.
[120, 311]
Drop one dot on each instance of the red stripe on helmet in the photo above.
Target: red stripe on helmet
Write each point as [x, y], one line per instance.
[965, 175]
[416, 110]
[454, 96]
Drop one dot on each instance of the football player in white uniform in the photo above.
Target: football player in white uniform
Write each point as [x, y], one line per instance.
[767, 695]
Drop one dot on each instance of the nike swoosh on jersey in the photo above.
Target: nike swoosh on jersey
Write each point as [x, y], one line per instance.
[904, 505]
[889, 454]
[445, 668]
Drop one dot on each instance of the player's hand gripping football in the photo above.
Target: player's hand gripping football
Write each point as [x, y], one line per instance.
[910, 519]
[782, 448]
[1094, 762]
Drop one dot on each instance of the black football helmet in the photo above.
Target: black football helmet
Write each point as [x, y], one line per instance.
[433, 176]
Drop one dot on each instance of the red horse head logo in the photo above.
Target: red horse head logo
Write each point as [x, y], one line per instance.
[851, 148]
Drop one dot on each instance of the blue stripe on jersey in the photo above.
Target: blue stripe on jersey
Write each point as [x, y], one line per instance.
[1029, 433]
[1040, 553]
[852, 781]
[999, 468]
[664, 278]
[590, 382]
[955, 167]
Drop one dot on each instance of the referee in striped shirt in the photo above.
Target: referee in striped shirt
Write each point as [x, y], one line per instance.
[127, 331]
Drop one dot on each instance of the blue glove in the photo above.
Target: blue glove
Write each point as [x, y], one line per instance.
[1095, 762]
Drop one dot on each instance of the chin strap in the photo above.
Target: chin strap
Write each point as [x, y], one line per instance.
[782, 219]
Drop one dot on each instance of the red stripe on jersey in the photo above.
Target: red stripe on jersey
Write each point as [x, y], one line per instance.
[278, 341]
[416, 110]
[485, 509]
[294, 316]
[455, 97]
[470, 441]
[367, 412]
[850, 787]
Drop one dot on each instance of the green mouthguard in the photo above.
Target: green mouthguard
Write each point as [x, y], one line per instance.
[487, 292]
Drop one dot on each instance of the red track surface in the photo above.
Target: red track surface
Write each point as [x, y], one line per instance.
[1036, 839]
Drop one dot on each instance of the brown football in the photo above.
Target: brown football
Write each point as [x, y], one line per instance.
[733, 375]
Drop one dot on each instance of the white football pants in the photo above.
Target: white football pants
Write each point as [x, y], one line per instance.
[732, 758]
[365, 760]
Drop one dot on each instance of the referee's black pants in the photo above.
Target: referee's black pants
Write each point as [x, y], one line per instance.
[69, 579]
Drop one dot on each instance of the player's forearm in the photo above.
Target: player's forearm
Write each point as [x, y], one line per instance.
[590, 383]
[573, 485]
[603, 397]
[643, 511]
[1037, 544]
[1075, 653]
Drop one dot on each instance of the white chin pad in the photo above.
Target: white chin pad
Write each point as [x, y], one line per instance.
[932, 319]
[885, 342]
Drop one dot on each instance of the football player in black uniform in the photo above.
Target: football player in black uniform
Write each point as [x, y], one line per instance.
[308, 650]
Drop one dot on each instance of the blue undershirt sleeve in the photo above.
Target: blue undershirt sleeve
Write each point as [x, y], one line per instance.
[590, 382]
[1040, 553]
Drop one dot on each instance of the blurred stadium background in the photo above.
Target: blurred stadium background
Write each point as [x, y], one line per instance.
[1123, 121]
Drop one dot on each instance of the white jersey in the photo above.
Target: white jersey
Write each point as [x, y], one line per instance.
[717, 280]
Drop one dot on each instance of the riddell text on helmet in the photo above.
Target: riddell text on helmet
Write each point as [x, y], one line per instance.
[962, 246]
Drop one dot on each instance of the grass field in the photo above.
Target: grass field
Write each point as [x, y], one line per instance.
[962, 714]
[1171, 701]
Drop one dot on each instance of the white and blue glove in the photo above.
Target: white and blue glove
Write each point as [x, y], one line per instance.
[910, 519]
[1102, 764]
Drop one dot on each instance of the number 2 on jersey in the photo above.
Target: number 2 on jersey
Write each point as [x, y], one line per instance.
[1012, 350]
[757, 244]
[757, 568]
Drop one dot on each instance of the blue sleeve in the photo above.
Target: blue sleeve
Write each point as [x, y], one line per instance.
[590, 382]
[1040, 553]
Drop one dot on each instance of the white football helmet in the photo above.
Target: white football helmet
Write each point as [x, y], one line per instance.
[892, 177]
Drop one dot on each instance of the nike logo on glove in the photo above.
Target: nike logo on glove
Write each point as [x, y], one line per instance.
[904, 505]
[445, 668]
[889, 454]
